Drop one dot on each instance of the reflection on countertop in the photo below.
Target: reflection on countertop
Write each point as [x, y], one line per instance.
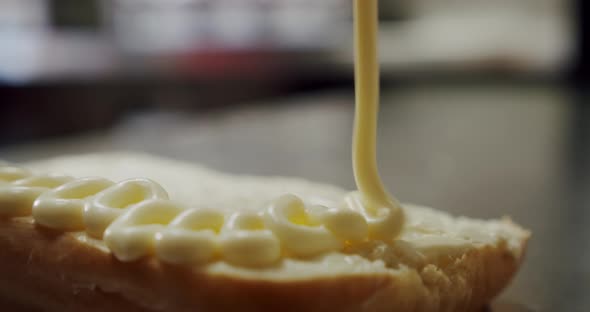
[503, 306]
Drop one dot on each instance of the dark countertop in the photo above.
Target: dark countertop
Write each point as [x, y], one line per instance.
[482, 151]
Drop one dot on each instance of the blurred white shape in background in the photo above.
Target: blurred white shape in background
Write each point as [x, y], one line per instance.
[310, 23]
[22, 27]
[525, 35]
[420, 35]
[533, 7]
[240, 24]
[475, 35]
[474, 38]
[31, 49]
[155, 26]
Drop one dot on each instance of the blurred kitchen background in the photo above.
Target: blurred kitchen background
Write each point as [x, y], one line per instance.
[483, 103]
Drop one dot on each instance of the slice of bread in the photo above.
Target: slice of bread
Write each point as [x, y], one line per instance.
[438, 263]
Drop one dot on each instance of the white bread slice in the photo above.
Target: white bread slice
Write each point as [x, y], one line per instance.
[439, 263]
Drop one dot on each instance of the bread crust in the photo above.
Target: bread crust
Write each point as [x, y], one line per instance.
[50, 271]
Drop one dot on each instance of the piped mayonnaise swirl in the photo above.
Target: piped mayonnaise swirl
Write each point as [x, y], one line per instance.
[136, 219]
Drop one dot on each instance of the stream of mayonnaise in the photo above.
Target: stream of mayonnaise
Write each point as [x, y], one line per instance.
[373, 194]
